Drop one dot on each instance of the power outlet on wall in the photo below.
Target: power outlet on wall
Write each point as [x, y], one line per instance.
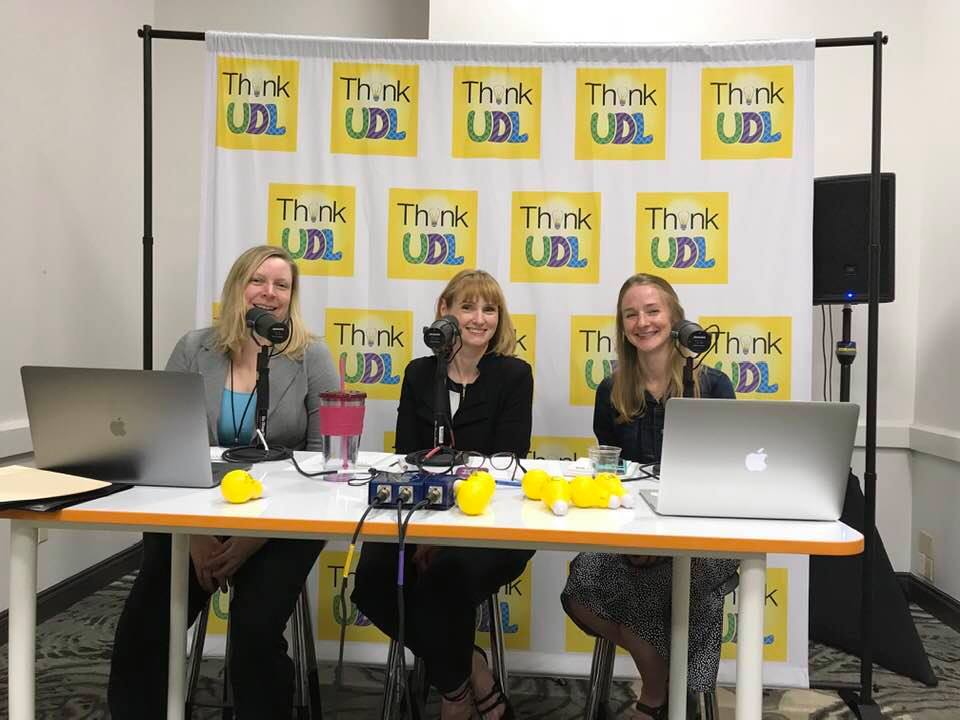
[42, 535]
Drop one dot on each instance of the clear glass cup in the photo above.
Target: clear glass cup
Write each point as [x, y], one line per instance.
[605, 458]
[341, 425]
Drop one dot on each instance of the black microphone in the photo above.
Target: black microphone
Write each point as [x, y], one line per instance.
[267, 326]
[441, 334]
[693, 337]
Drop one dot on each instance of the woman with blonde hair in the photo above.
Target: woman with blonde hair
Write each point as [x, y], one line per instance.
[490, 410]
[626, 598]
[266, 575]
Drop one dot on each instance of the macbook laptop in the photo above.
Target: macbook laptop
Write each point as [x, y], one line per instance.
[754, 459]
[141, 427]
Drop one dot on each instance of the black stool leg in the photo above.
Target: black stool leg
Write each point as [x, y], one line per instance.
[196, 656]
[314, 710]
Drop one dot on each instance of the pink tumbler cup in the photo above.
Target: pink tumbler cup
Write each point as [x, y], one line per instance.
[341, 424]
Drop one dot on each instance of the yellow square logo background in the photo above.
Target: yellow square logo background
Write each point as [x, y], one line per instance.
[593, 110]
[526, 330]
[529, 246]
[440, 211]
[500, 80]
[557, 447]
[754, 352]
[263, 75]
[657, 240]
[593, 353]
[329, 611]
[365, 337]
[775, 634]
[312, 212]
[379, 77]
[751, 81]
[218, 613]
[515, 618]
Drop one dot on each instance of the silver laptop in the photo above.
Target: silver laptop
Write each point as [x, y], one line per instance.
[128, 426]
[755, 459]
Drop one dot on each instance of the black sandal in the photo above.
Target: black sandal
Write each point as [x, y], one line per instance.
[655, 713]
[496, 697]
[465, 691]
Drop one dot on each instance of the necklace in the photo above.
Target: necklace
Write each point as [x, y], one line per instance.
[233, 409]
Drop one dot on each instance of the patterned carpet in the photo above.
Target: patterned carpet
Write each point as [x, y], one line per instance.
[74, 648]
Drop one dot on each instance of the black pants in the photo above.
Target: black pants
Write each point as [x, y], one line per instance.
[439, 606]
[266, 588]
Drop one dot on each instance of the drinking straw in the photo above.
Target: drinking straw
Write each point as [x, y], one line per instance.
[344, 440]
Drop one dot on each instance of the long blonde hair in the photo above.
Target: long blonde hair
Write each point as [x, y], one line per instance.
[231, 329]
[627, 393]
[481, 285]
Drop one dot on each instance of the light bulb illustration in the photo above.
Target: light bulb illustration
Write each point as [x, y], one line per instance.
[314, 211]
[749, 90]
[434, 216]
[498, 91]
[377, 91]
[623, 93]
[557, 216]
[684, 219]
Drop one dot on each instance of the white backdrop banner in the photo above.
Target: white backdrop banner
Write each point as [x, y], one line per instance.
[385, 167]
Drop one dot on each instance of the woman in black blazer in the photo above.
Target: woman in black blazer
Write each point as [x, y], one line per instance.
[491, 400]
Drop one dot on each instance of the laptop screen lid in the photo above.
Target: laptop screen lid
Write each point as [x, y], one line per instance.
[141, 427]
[756, 458]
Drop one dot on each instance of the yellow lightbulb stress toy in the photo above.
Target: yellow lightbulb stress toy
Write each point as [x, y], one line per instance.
[617, 491]
[239, 486]
[533, 482]
[588, 493]
[474, 494]
[556, 495]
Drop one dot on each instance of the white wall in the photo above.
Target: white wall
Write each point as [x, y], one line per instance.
[936, 480]
[71, 187]
[70, 203]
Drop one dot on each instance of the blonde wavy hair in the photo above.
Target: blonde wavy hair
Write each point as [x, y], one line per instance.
[482, 286]
[230, 328]
[627, 393]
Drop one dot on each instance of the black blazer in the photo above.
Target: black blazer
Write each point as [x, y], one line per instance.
[495, 415]
[641, 439]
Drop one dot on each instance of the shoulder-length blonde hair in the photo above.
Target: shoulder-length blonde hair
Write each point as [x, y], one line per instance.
[482, 286]
[231, 329]
[629, 382]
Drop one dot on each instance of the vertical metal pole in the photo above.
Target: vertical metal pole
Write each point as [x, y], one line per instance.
[753, 577]
[873, 319]
[680, 638]
[176, 660]
[846, 352]
[22, 647]
[147, 198]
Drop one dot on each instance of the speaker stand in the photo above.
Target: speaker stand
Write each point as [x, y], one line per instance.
[860, 701]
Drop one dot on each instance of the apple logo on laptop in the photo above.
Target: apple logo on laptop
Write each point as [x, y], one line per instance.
[117, 428]
[756, 461]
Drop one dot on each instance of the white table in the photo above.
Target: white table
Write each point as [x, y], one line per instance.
[298, 507]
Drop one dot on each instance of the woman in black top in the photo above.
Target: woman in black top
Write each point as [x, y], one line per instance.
[491, 400]
[626, 598]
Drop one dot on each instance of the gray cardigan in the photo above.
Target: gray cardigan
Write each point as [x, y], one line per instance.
[294, 387]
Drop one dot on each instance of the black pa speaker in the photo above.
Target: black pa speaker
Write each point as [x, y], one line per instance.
[841, 238]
